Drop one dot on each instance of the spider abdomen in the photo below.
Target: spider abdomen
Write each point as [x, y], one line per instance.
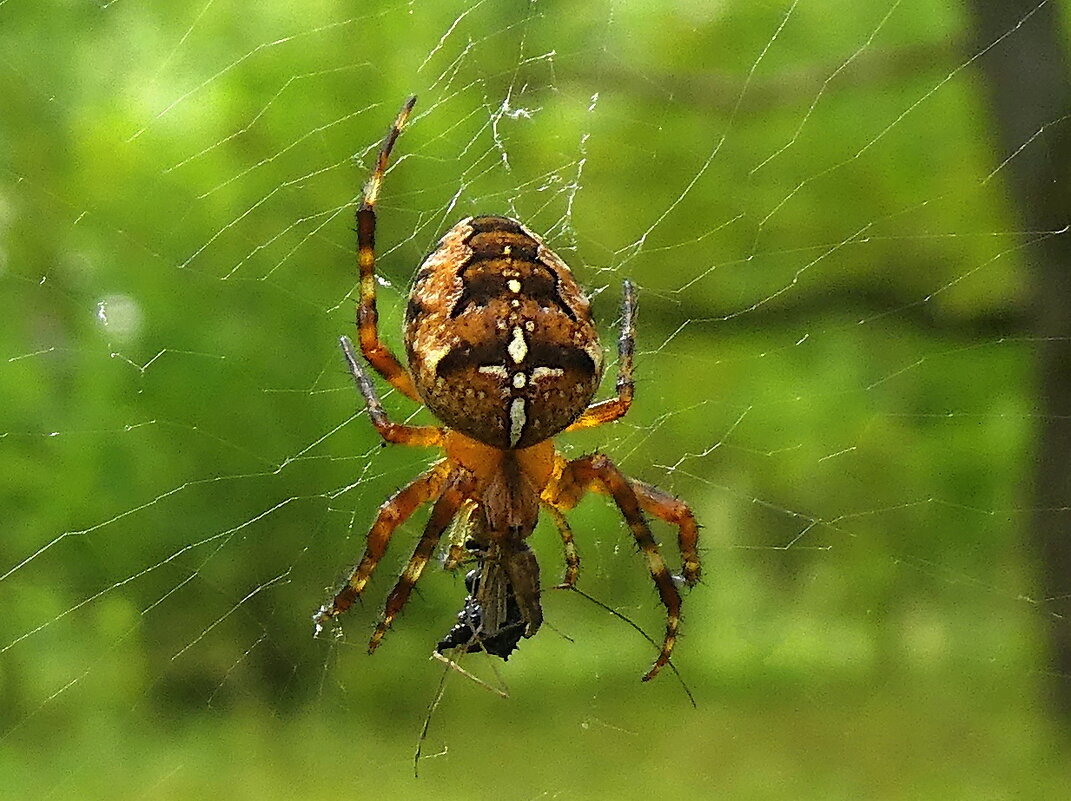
[499, 335]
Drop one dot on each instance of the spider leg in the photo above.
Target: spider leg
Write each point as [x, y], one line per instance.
[377, 353]
[572, 558]
[394, 511]
[591, 471]
[460, 529]
[457, 490]
[665, 507]
[615, 408]
[677, 513]
[397, 433]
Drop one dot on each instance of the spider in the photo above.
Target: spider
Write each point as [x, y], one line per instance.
[502, 349]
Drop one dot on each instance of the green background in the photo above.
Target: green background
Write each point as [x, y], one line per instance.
[834, 369]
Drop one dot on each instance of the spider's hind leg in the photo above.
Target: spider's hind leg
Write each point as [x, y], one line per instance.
[375, 351]
[615, 408]
[395, 433]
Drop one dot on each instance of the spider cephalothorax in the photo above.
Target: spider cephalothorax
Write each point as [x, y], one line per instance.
[502, 349]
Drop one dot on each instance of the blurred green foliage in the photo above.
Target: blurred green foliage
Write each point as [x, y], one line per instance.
[833, 370]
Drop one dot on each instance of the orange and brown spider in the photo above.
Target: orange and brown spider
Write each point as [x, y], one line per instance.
[502, 349]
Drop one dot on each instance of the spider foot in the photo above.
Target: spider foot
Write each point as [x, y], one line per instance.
[655, 668]
[672, 626]
[688, 577]
[378, 634]
[691, 571]
[320, 620]
[343, 600]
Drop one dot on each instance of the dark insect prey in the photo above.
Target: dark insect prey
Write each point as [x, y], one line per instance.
[491, 618]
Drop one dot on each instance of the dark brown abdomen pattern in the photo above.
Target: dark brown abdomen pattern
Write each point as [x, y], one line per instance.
[499, 335]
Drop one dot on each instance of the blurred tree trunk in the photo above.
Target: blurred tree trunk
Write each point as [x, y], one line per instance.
[1026, 75]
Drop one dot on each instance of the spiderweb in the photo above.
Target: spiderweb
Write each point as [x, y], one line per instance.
[833, 369]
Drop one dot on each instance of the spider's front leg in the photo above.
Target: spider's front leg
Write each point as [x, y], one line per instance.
[458, 489]
[395, 511]
[677, 513]
[572, 558]
[460, 530]
[598, 472]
